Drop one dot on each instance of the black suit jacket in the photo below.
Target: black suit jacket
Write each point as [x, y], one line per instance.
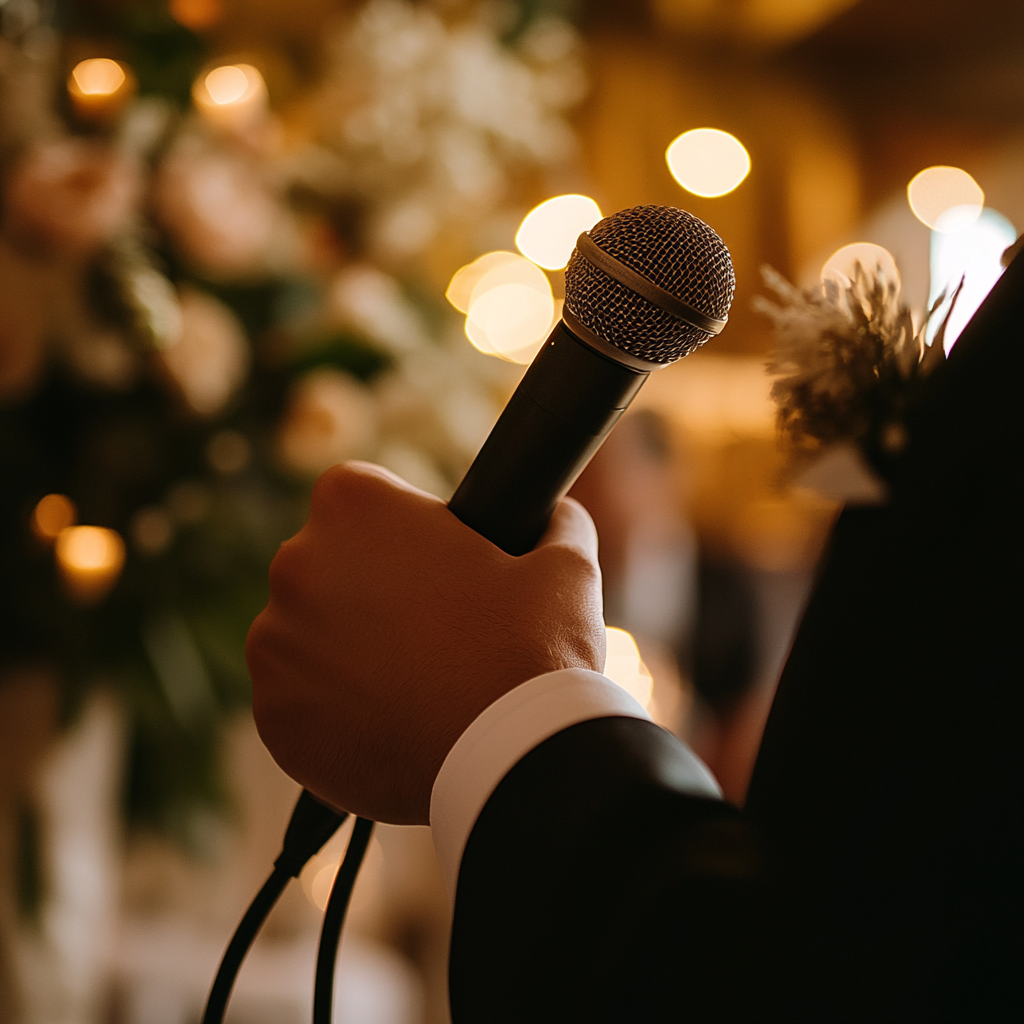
[873, 874]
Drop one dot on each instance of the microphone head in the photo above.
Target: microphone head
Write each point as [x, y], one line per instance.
[669, 248]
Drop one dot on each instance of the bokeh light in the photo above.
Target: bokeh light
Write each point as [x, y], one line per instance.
[197, 15]
[98, 76]
[549, 231]
[624, 666]
[973, 255]
[323, 882]
[464, 280]
[90, 560]
[232, 95]
[152, 530]
[229, 452]
[227, 84]
[945, 198]
[707, 161]
[508, 304]
[875, 259]
[54, 513]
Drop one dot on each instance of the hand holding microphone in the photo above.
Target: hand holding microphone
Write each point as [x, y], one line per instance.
[390, 625]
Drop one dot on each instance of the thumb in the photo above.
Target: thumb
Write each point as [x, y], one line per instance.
[571, 527]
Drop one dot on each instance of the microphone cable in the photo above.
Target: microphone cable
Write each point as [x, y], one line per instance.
[310, 826]
[334, 919]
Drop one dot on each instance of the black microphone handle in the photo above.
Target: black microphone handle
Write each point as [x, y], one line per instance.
[563, 409]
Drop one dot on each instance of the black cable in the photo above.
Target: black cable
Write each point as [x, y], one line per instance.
[334, 918]
[245, 935]
[310, 826]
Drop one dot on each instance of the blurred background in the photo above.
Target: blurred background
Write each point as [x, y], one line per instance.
[242, 240]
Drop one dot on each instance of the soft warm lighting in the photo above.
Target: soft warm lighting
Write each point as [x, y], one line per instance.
[460, 288]
[197, 15]
[511, 310]
[548, 233]
[98, 77]
[233, 95]
[508, 302]
[624, 666]
[972, 255]
[54, 513]
[945, 198]
[323, 882]
[841, 265]
[90, 559]
[708, 162]
[227, 85]
[100, 88]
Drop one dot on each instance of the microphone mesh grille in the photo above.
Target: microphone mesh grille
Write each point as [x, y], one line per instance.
[670, 247]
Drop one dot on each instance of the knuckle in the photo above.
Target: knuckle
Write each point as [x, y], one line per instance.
[280, 571]
[571, 562]
[344, 489]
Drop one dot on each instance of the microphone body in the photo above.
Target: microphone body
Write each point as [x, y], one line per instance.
[564, 407]
[642, 289]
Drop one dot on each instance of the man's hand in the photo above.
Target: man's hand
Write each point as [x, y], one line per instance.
[391, 626]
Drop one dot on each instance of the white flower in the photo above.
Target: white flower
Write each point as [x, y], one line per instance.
[431, 115]
[371, 301]
[210, 359]
[217, 209]
[330, 418]
[71, 196]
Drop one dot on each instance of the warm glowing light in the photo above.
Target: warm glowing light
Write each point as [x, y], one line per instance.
[624, 666]
[511, 310]
[90, 559]
[233, 95]
[197, 15]
[100, 88]
[707, 161]
[510, 321]
[54, 513]
[98, 76]
[972, 255]
[841, 265]
[323, 881]
[548, 233]
[227, 85]
[945, 198]
[460, 288]
[508, 302]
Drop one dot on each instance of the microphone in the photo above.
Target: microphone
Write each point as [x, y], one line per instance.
[643, 288]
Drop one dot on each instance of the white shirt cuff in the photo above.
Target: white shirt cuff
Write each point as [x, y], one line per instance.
[503, 734]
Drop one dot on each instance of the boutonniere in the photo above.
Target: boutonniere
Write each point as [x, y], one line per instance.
[847, 363]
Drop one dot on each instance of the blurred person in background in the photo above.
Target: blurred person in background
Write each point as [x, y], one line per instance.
[693, 611]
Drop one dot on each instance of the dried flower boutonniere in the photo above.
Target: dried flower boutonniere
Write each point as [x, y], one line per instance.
[847, 362]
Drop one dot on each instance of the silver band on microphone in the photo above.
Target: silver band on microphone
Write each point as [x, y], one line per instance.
[653, 293]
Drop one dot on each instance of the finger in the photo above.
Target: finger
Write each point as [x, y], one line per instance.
[572, 527]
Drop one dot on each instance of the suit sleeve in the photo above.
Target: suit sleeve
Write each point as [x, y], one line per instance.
[596, 887]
